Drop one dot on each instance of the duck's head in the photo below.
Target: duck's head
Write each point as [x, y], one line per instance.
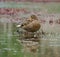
[34, 17]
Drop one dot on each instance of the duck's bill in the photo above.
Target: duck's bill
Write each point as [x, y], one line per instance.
[18, 26]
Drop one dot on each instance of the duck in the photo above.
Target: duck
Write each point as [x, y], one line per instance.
[32, 24]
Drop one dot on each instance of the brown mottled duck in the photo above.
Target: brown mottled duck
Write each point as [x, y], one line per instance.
[31, 25]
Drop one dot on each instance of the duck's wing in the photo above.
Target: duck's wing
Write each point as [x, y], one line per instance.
[33, 26]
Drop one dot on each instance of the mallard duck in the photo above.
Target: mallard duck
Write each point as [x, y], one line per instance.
[31, 25]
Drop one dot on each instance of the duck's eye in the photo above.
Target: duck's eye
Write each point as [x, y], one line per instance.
[22, 24]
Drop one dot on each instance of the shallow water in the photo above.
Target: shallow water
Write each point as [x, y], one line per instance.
[10, 47]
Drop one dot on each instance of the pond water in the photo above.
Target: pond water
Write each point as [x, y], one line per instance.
[10, 47]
